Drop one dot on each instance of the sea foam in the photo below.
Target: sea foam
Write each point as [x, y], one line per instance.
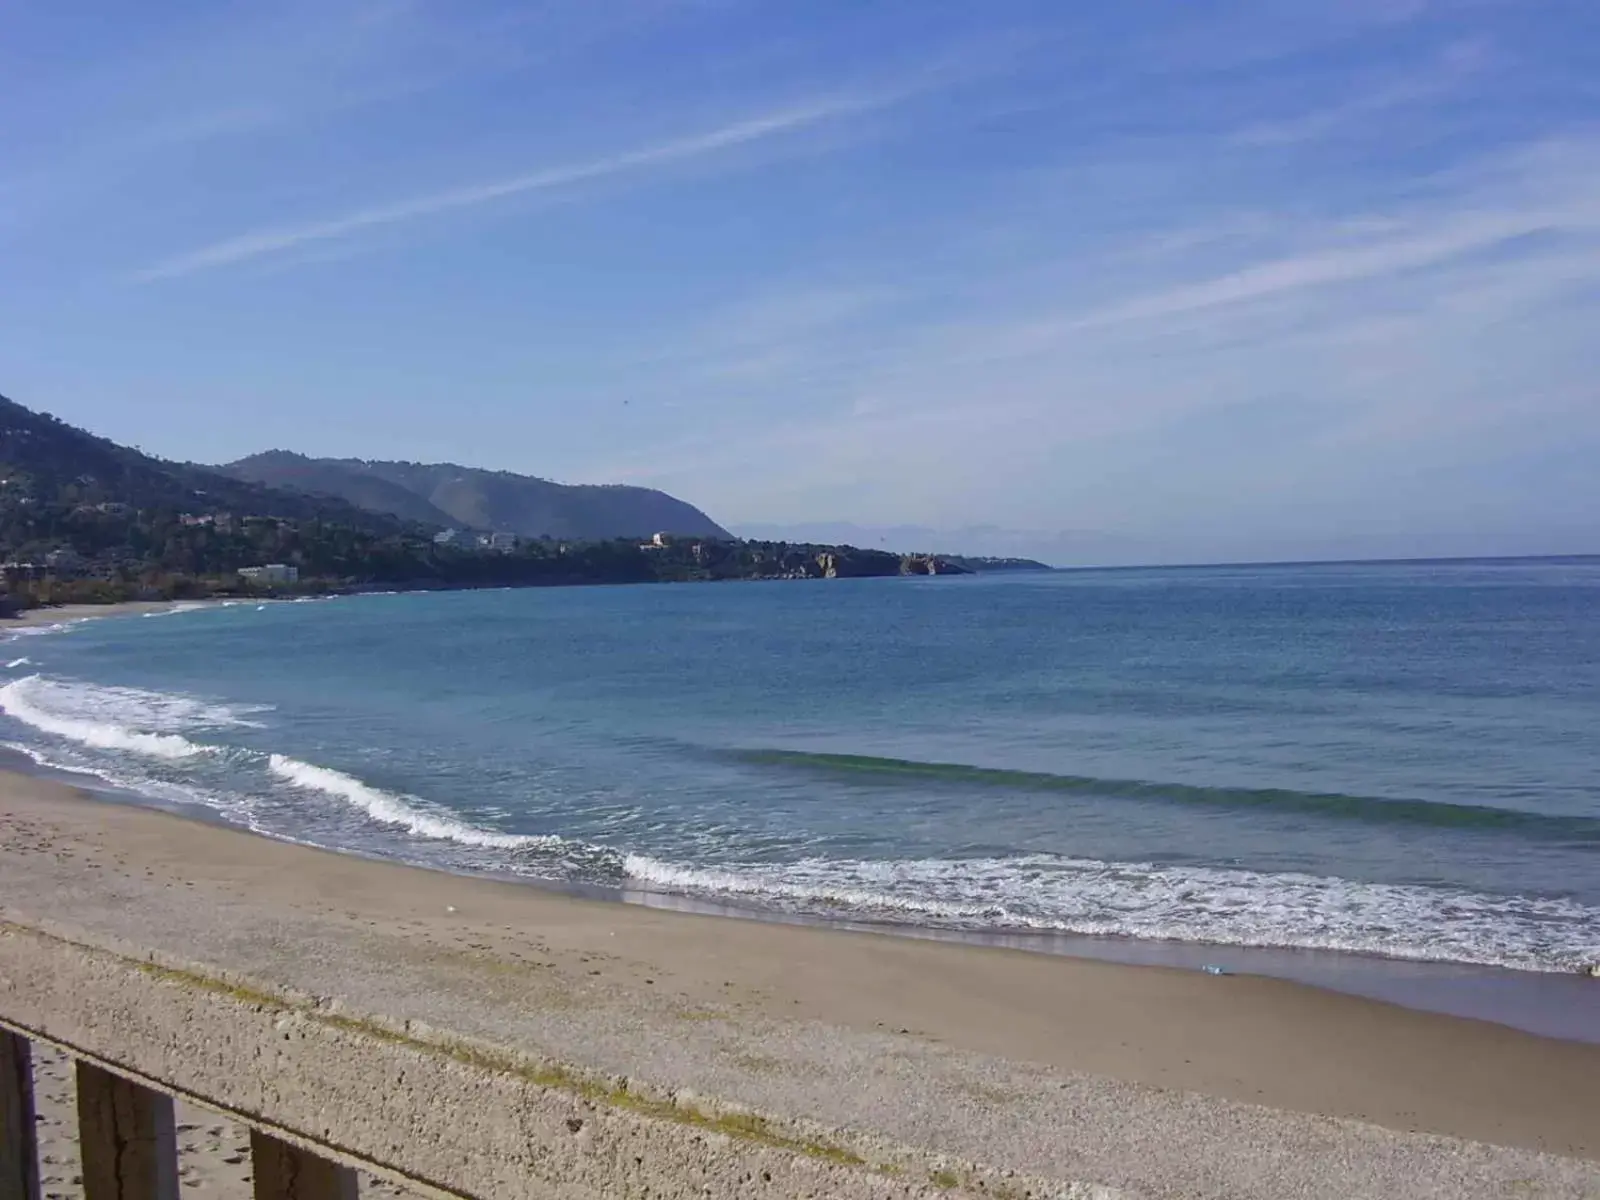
[182, 606]
[40, 630]
[74, 712]
[409, 812]
[136, 708]
[231, 806]
[1044, 893]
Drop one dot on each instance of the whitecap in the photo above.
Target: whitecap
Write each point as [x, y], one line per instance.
[40, 630]
[411, 813]
[52, 708]
[138, 708]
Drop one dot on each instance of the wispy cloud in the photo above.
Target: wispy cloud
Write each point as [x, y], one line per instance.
[767, 126]
[1455, 66]
[192, 87]
[1438, 327]
[1414, 251]
[1550, 190]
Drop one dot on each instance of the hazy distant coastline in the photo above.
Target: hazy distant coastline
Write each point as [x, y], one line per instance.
[1177, 547]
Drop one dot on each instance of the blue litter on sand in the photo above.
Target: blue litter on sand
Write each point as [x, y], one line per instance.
[1211, 969]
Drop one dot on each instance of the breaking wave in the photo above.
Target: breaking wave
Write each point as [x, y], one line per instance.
[410, 813]
[1044, 893]
[111, 728]
[62, 626]
[183, 606]
[57, 709]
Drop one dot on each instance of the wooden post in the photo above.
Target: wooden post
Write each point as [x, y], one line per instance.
[19, 1146]
[129, 1144]
[285, 1172]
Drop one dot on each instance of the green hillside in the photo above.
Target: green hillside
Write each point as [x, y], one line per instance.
[83, 519]
[448, 494]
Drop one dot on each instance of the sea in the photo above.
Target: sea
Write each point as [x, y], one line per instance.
[1380, 777]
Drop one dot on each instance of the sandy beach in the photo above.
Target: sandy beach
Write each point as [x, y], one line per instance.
[1249, 1044]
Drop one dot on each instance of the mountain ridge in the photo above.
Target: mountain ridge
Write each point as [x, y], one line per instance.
[85, 520]
[44, 458]
[449, 494]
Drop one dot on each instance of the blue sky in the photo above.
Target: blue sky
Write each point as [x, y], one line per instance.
[1195, 279]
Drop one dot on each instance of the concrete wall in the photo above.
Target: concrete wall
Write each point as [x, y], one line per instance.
[421, 1106]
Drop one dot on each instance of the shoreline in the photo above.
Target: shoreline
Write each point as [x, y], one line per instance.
[62, 614]
[1545, 1004]
[140, 874]
[1561, 1005]
[71, 614]
[1550, 1004]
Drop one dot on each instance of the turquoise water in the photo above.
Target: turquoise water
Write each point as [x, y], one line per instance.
[1401, 760]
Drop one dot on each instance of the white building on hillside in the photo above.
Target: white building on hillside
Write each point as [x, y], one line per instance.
[271, 575]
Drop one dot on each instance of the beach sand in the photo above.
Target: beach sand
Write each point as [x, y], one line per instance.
[778, 1010]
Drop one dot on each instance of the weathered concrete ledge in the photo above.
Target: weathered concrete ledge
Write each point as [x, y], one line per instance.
[433, 1110]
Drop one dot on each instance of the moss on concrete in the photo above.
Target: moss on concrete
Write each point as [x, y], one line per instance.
[743, 1126]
